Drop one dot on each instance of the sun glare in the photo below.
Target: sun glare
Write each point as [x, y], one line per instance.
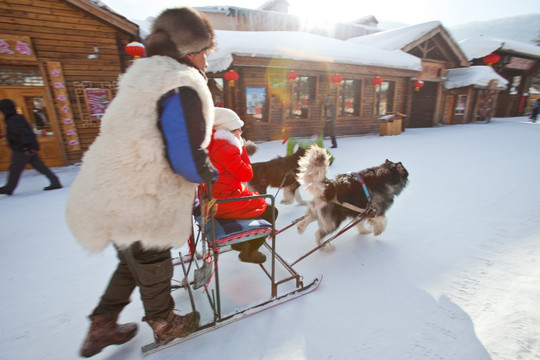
[320, 12]
[313, 15]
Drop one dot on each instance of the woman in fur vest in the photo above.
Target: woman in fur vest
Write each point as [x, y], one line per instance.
[137, 182]
[229, 156]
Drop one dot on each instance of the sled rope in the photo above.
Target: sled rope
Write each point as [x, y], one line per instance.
[352, 223]
[206, 213]
[282, 182]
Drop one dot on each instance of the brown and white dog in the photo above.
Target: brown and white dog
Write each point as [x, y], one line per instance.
[383, 183]
[278, 172]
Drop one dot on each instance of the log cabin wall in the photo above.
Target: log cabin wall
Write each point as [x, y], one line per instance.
[275, 121]
[86, 41]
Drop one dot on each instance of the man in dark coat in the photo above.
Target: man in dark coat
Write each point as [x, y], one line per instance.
[24, 147]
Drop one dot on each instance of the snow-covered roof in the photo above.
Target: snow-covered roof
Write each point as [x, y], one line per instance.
[480, 46]
[303, 46]
[398, 38]
[473, 75]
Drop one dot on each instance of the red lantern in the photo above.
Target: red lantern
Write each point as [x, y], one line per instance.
[418, 84]
[377, 80]
[292, 75]
[336, 79]
[491, 59]
[231, 76]
[135, 49]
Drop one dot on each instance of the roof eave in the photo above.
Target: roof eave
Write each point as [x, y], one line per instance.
[110, 17]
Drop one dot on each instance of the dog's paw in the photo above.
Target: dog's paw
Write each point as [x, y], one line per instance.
[362, 229]
[379, 224]
[301, 227]
[328, 247]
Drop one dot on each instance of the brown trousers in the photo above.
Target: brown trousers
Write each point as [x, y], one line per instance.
[151, 271]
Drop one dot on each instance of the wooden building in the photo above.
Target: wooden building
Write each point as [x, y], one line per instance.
[517, 62]
[296, 81]
[471, 94]
[59, 62]
[433, 44]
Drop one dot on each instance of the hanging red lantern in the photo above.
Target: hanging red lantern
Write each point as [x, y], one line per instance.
[231, 76]
[135, 49]
[377, 80]
[491, 59]
[418, 84]
[336, 79]
[292, 75]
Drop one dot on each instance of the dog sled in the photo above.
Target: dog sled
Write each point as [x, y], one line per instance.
[201, 276]
[201, 273]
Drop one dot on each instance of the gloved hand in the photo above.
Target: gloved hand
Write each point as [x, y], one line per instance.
[30, 152]
[212, 176]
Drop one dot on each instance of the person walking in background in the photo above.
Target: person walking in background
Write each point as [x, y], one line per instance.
[329, 113]
[534, 110]
[24, 146]
[138, 179]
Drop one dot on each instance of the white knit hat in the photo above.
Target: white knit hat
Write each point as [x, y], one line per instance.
[227, 119]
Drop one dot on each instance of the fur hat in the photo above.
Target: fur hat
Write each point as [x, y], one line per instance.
[227, 119]
[178, 32]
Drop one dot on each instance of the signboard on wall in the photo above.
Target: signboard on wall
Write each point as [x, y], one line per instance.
[255, 99]
[16, 48]
[97, 101]
[431, 70]
[63, 105]
[520, 63]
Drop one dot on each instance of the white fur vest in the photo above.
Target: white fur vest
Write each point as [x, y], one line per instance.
[126, 190]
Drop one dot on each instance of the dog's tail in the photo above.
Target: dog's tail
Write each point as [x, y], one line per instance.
[312, 170]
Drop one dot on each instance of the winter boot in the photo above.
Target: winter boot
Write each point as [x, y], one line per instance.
[5, 191]
[254, 257]
[174, 326]
[104, 331]
[53, 186]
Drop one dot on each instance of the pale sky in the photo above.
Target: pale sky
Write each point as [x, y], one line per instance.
[449, 12]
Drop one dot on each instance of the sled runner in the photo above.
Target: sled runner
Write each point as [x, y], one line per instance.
[204, 284]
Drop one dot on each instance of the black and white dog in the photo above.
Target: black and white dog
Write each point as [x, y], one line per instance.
[383, 184]
[278, 172]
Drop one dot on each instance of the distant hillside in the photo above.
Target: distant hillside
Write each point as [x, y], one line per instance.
[524, 28]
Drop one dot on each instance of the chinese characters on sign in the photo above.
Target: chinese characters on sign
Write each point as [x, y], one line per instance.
[16, 48]
[63, 105]
[432, 70]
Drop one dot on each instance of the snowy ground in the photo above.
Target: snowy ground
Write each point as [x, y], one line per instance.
[454, 277]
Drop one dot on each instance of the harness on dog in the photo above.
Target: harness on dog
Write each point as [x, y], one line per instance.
[369, 211]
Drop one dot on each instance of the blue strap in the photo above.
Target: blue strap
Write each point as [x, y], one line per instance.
[359, 178]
